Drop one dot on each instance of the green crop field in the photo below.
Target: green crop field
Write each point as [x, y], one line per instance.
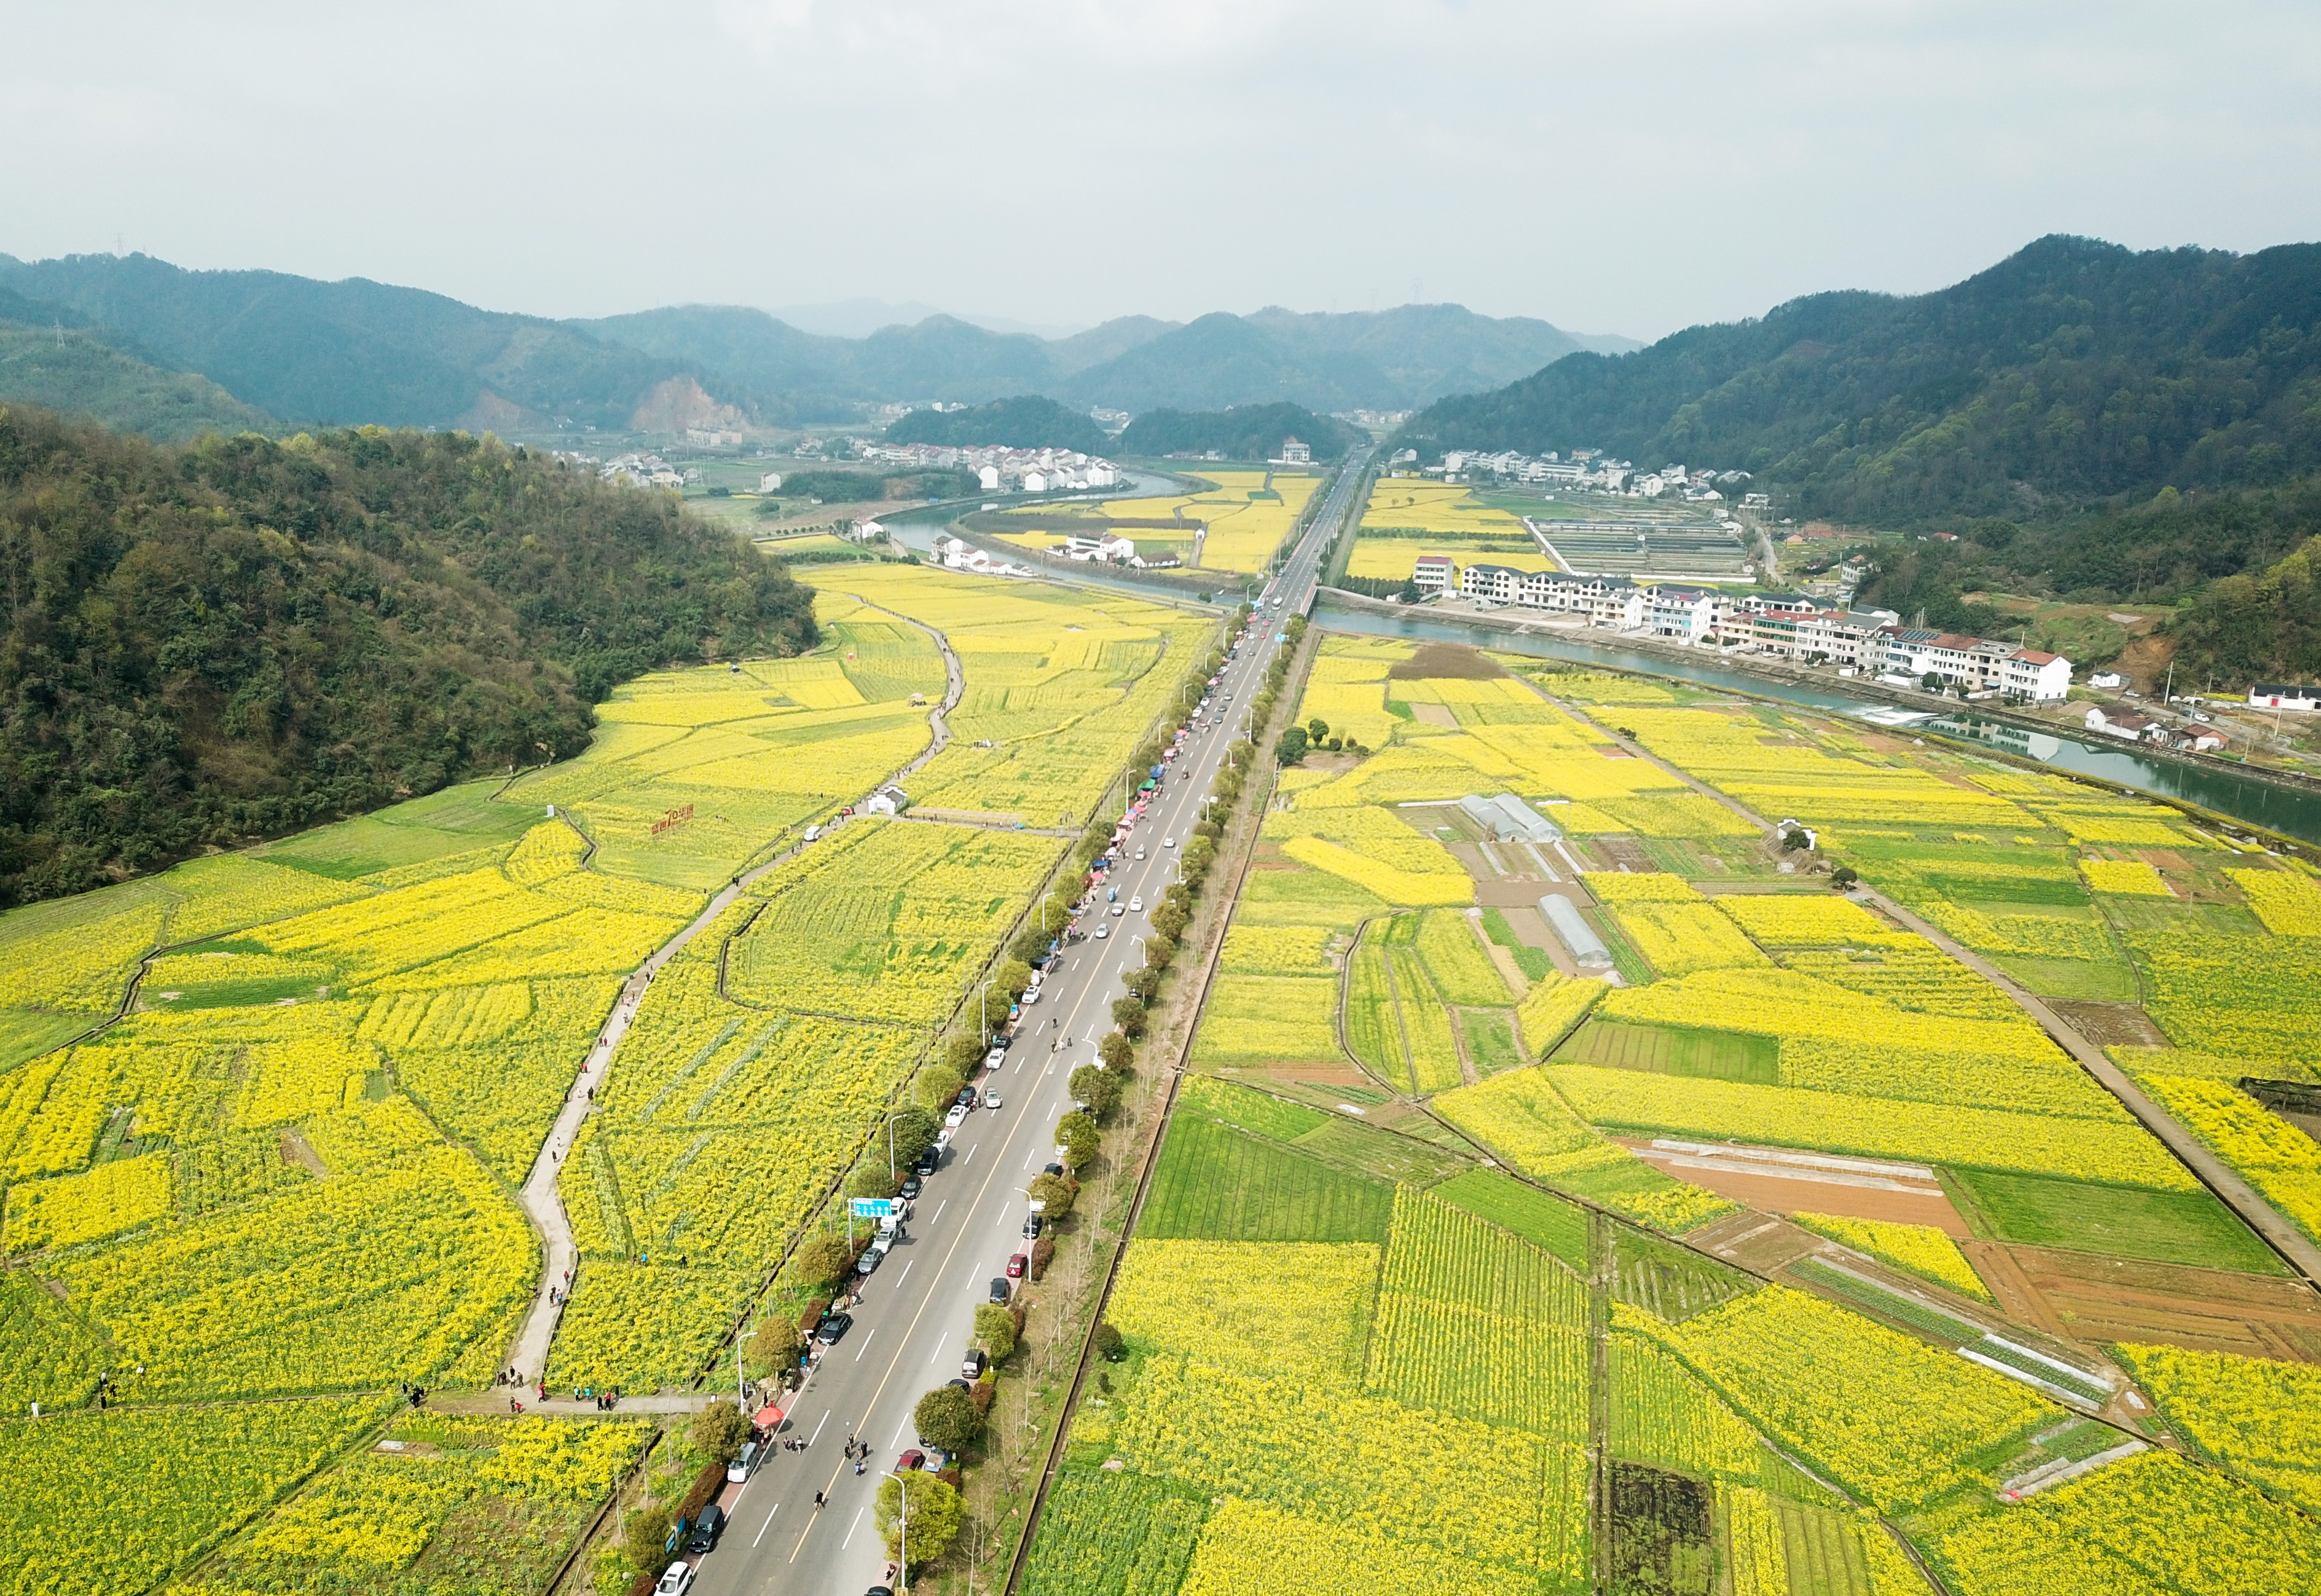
[1557, 1226]
[1216, 1181]
[2159, 1227]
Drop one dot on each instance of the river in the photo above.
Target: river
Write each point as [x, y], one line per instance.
[2218, 789]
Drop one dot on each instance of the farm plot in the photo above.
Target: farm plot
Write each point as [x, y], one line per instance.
[476, 1506]
[194, 1475]
[1519, 1117]
[884, 920]
[1475, 1322]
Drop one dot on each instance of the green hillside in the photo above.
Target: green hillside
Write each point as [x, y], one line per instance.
[2075, 370]
[222, 641]
[64, 370]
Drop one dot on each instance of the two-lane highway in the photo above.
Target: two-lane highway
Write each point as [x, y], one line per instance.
[917, 1315]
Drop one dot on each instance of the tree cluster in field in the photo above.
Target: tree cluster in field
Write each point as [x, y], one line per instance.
[216, 643]
[1293, 744]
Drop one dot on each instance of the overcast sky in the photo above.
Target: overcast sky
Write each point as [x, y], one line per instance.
[1629, 168]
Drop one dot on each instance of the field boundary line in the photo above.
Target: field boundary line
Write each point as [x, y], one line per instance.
[1307, 648]
[2222, 1181]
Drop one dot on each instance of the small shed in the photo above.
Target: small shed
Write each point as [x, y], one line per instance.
[887, 801]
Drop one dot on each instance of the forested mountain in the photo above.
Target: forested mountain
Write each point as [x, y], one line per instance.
[1247, 431]
[1024, 421]
[1382, 359]
[356, 352]
[66, 370]
[345, 353]
[218, 642]
[2073, 371]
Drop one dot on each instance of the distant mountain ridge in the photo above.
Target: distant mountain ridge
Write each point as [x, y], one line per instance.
[304, 352]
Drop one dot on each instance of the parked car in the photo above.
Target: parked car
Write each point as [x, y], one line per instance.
[874, 1255]
[1031, 996]
[999, 1289]
[1032, 1227]
[973, 1366]
[745, 1463]
[958, 1114]
[675, 1581]
[909, 1460]
[1016, 1265]
[1051, 1169]
[927, 1162]
[706, 1528]
[965, 1098]
[912, 1186]
[997, 1056]
[991, 1096]
[833, 1330]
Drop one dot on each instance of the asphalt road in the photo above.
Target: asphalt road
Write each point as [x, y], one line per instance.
[917, 1314]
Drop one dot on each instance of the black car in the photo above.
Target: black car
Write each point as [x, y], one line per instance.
[1031, 1228]
[831, 1330]
[1000, 1289]
[962, 1384]
[706, 1528]
[1051, 1169]
[965, 1098]
[926, 1164]
[910, 1188]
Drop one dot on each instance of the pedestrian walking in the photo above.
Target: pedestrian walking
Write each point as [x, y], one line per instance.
[817, 1502]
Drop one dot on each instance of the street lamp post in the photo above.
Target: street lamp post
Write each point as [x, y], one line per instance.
[983, 1009]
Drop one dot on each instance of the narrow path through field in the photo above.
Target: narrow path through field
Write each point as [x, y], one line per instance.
[2219, 1177]
[560, 1259]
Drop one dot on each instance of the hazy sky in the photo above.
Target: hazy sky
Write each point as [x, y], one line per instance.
[1630, 167]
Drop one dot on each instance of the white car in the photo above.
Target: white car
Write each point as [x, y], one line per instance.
[1136, 905]
[675, 1580]
[1139, 852]
[1031, 996]
[1103, 931]
[990, 1096]
[957, 1116]
[1119, 909]
[1168, 842]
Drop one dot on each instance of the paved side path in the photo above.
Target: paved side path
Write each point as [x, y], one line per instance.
[2219, 1176]
[542, 1202]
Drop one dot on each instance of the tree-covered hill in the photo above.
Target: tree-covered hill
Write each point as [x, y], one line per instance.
[66, 370]
[219, 641]
[345, 353]
[1246, 431]
[2074, 371]
[1024, 421]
